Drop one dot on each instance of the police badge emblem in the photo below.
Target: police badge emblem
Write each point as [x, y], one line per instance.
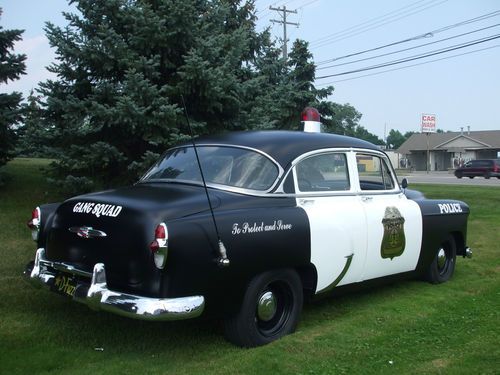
[394, 241]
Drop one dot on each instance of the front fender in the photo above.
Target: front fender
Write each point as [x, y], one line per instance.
[439, 219]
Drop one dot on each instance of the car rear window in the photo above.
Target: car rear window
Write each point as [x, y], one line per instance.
[222, 165]
[480, 163]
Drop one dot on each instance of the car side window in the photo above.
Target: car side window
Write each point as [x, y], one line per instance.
[323, 172]
[374, 173]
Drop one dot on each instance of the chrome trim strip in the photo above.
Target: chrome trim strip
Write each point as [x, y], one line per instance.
[227, 187]
[297, 160]
[280, 168]
[339, 278]
[279, 192]
[99, 297]
[87, 232]
[353, 179]
[64, 267]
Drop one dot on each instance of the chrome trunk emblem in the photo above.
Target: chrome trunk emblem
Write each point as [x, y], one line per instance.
[87, 232]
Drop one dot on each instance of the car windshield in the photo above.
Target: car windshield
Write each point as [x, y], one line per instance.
[222, 165]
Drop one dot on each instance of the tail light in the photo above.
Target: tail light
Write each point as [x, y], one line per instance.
[34, 223]
[159, 246]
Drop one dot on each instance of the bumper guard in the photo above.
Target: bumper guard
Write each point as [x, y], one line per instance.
[98, 297]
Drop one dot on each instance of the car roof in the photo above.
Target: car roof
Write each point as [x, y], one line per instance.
[482, 160]
[285, 146]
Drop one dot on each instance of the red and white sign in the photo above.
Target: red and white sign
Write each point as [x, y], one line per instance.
[428, 123]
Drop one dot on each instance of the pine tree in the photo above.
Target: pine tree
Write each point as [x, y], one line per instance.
[123, 67]
[33, 135]
[12, 66]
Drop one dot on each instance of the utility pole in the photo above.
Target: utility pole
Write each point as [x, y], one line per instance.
[284, 12]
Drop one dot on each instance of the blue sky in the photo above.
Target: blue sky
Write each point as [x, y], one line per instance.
[461, 91]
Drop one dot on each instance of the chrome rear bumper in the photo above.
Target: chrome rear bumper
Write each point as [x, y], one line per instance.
[98, 297]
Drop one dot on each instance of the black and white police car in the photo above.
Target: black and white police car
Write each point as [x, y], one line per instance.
[244, 226]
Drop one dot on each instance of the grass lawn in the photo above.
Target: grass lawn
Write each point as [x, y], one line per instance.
[407, 328]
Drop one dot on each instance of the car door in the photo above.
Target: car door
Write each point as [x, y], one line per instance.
[394, 223]
[324, 189]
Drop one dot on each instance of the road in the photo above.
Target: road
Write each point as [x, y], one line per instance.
[446, 178]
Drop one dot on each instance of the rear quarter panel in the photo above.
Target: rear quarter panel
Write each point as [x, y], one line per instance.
[256, 239]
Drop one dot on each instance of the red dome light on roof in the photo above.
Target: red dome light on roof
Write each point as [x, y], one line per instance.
[310, 114]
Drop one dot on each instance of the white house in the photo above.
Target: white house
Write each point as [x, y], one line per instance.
[449, 150]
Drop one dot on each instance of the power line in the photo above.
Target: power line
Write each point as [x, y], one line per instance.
[407, 66]
[378, 24]
[265, 8]
[408, 49]
[420, 36]
[363, 23]
[267, 11]
[370, 25]
[306, 4]
[415, 57]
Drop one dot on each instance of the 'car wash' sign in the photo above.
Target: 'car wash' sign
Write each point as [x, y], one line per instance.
[428, 123]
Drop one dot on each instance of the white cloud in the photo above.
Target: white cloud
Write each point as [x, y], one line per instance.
[30, 45]
[39, 56]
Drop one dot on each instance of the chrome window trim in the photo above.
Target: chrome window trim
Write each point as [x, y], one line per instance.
[321, 193]
[282, 175]
[353, 175]
[280, 190]
[232, 189]
[397, 188]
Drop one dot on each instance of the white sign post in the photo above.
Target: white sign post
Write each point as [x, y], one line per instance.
[428, 126]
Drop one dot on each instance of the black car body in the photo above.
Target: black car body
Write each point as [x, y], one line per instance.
[291, 215]
[479, 168]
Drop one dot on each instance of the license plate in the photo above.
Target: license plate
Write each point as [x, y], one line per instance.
[65, 285]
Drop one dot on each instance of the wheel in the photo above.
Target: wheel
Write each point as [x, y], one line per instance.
[471, 177]
[487, 175]
[459, 174]
[443, 265]
[271, 309]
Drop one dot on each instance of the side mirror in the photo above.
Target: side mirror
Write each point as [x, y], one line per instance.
[404, 183]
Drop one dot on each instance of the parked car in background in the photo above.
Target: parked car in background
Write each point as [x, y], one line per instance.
[481, 167]
[247, 231]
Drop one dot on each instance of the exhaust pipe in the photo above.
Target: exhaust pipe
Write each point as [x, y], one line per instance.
[468, 252]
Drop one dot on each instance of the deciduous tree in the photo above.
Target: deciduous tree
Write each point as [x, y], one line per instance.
[395, 139]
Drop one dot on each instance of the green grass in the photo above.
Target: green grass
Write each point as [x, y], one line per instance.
[407, 328]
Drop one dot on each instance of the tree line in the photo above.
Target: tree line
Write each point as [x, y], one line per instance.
[123, 69]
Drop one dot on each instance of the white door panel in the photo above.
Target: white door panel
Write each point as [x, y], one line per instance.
[379, 259]
[338, 231]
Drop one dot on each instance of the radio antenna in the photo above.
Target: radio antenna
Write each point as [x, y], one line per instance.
[222, 260]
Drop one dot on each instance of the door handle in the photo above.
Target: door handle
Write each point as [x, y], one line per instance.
[366, 199]
[304, 202]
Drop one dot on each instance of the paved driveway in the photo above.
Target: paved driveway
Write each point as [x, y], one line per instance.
[446, 178]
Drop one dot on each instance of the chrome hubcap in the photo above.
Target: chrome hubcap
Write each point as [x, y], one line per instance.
[267, 306]
[441, 258]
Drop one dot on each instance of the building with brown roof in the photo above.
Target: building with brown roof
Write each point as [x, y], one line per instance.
[449, 150]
